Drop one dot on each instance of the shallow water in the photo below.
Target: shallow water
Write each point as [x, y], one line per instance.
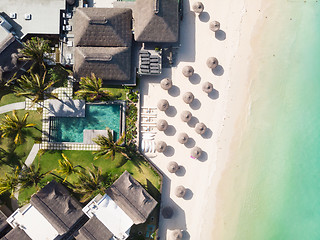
[281, 146]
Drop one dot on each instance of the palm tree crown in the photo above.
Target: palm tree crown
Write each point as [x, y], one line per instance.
[109, 147]
[10, 182]
[36, 49]
[67, 168]
[34, 87]
[13, 126]
[91, 89]
[31, 176]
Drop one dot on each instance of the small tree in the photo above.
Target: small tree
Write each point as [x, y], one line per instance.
[10, 182]
[66, 168]
[31, 176]
[109, 147]
[15, 127]
[91, 89]
[36, 49]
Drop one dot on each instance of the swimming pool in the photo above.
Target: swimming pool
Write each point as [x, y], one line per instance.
[98, 117]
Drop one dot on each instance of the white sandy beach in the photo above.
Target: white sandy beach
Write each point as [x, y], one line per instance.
[195, 213]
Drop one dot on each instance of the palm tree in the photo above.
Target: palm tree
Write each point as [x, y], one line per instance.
[31, 176]
[13, 126]
[108, 147]
[10, 183]
[91, 182]
[34, 87]
[91, 89]
[36, 49]
[67, 168]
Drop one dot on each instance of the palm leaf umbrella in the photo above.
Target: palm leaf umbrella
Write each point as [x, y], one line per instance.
[183, 138]
[163, 105]
[162, 125]
[207, 87]
[198, 7]
[200, 128]
[167, 212]
[186, 116]
[161, 146]
[187, 71]
[180, 191]
[173, 167]
[214, 26]
[176, 234]
[196, 152]
[212, 62]
[188, 97]
[166, 83]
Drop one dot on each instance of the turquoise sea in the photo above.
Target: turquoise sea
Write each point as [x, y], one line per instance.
[281, 144]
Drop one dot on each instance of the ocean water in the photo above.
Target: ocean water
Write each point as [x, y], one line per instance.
[280, 199]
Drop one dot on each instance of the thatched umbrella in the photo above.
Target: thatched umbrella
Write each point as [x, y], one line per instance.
[207, 87]
[200, 128]
[214, 26]
[176, 234]
[180, 191]
[188, 97]
[183, 138]
[198, 7]
[166, 83]
[161, 146]
[196, 152]
[163, 105]
[186, 116]
[173, 167]
[212, 62]
[187, 71]
[162, 125]
[167, 212]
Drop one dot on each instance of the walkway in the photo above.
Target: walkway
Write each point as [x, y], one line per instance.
[12, 106]
[32, 154]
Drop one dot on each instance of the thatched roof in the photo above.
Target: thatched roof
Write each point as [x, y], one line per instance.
[16, 234]
[9, 63]
[166, 83]
[180, 191]
[186, 116]
[103, 27]
[112, 64]
[172, 167]
[163, 105]
[157, 25]
[200, 128]
[188, 97]
[167, 212]
[162, 125]
[161, 146]
[94, 229]
[196, 152]
[187, 71]
[132, 198]
[183, 138]
[55, 203]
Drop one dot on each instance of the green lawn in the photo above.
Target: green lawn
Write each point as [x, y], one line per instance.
[140, 170]
[118, 91]
[7, 97]
[21, 151]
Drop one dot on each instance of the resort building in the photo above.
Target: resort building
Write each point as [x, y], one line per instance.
[53, 214]
[126, 201]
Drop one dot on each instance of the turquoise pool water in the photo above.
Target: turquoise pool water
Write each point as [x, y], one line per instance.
[98, 117]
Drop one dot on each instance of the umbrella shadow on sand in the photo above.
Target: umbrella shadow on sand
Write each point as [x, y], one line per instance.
[190, 143]
[220, 35]
[195, 78]
[171, 111]
[169, 152]
[195, 104]
[170, 131]
[193, 121]
[218, 71]
[214, 94]
[208, 134]
[174, 91]
[204, 17]
[203, 157]
[181, 171]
